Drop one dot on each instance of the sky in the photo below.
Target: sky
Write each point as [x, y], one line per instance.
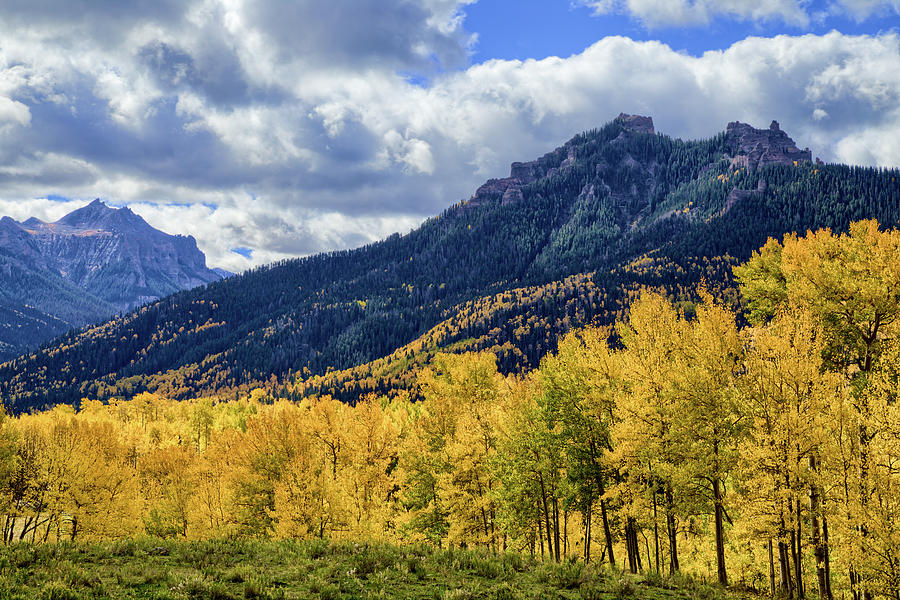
[269, 129]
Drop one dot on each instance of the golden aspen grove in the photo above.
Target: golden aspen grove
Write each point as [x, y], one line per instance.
[754, 444]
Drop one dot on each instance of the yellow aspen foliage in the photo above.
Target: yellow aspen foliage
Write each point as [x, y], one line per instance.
[518, 462]
[446, 462]
[212, 507]
[643, 448]
[95, 486]
[877, 551]
[851, 284]
[168, 482]
[260, 458]
[579, 385]
[679, 423]
[789, 459]
[370, 471]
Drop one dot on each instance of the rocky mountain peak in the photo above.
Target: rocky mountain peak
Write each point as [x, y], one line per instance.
[97, 215]
[7, 222]
[112, 253]
[10, 228]
[32, 222]
[95, 210]
[751, 147]
[522, 173]
[14, 240]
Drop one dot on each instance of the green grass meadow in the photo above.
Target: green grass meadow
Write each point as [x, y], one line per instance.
[233, 569]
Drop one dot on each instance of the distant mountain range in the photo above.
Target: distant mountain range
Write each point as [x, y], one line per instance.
[87, 266]
[567, 239]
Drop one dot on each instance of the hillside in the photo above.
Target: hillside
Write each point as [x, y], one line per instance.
[561, 242]
[85, 267]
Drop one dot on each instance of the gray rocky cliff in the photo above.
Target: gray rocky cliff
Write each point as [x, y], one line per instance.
[117, 256]
[753, 147]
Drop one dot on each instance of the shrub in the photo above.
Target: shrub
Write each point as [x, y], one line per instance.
[58, 591]
[370, 559]
[622, 587]
[200, 589]
[316, 549]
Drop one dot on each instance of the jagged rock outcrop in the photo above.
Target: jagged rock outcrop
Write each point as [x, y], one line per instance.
[508, 188]
[638, 123]
[753, 147]
[525, 172]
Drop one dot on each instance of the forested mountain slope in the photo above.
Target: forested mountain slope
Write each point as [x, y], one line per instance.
[564, 240]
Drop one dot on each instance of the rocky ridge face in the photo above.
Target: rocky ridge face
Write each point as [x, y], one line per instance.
[753, 147]
[85, 267]
[117, 256]
[523, 173]
[747, 147]
[636, 123]
[15, 241]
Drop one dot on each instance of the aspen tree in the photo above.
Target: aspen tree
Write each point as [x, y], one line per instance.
[645, 409]
[167, 477]
[709, 422]
[517, 462]
[793, 407]
[851, 283]
[579, 387]
[447, 462]
[679, 422]
[370, 474]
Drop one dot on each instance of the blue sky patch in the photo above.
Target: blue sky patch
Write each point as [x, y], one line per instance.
[541, 28]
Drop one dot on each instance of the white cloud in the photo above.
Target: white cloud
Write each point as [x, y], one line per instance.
[13, 113]
[414, 154]
[130, 99]
[247, 223]
[878, 146]
[679, 13]
[668, 13]
[865, 9]
[42, 208]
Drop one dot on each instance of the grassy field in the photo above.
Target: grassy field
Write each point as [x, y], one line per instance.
[221, 570]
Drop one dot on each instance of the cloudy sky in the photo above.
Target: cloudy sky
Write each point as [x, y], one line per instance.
[276, 128]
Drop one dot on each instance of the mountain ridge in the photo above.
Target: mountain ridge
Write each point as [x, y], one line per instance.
[610, 211]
